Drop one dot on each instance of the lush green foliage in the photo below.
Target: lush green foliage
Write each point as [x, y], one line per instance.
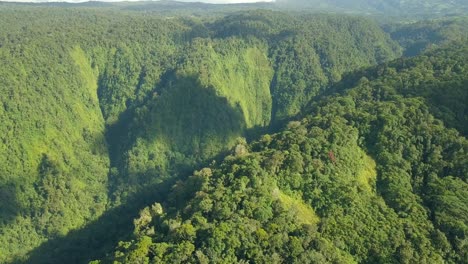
[54, 161]
[441, 83]
[417, 37]
[367, 176]
[96, 106]
[102, 109]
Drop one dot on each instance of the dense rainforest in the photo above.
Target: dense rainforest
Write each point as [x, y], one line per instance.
[251, 136]
[367, 175]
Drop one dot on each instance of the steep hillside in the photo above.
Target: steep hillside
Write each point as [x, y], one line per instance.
[98, 106]
[54, 160]
[368, 175]
[309, 52]
[223, 79]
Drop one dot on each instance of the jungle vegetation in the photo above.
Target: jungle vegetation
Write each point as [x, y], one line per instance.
[254, 136]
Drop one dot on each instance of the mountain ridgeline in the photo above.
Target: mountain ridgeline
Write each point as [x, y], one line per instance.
[388, 7]
[105, 111]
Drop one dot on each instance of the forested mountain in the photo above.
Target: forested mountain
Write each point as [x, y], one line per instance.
[104, 111]
[410, 9]
[368, 175]
[419, 36]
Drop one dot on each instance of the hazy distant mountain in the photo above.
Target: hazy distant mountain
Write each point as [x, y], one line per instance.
[383, 6]
[80, 1]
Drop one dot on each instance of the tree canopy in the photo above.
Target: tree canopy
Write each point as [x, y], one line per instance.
[311, 139]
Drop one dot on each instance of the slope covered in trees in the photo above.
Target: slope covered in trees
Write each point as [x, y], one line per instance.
[96, 106]
[417, 37]
[54, 161]
[368, 175]
[103, 109]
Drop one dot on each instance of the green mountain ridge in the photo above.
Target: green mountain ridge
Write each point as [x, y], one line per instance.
[408, 9]
[353, 181]
[422, 35]
[104, 112]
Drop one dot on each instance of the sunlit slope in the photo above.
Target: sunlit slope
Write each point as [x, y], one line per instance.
[52, 148]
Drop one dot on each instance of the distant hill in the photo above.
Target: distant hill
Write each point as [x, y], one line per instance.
[387, 7]
[409, 9]
[416, 37]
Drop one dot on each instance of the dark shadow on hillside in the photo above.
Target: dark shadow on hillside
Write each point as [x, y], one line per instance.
[100, 236]
[187, 116]
[193, 120]
[9, 206]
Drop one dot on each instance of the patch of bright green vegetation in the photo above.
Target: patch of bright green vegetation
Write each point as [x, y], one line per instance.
[87, 73]
[303, 212]
[239, 71]
[367, 175]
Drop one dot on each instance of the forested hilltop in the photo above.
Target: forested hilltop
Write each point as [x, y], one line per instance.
[105, 111]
